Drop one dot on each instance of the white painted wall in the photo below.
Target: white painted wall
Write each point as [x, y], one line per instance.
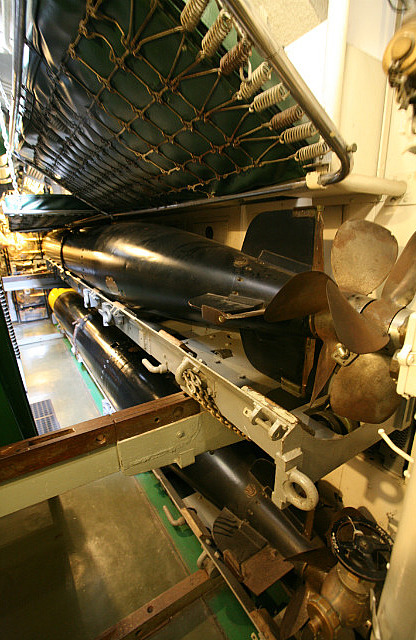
[355, 90]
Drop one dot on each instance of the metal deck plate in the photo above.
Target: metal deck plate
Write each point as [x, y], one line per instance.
[44, 416]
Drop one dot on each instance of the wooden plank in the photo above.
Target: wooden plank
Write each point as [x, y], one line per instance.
[151, 616]
[265, 624]
[43, 451]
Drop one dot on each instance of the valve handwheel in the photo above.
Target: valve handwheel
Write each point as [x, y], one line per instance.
[362, 547]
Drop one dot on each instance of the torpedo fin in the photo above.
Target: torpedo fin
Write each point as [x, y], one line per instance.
[217, 309]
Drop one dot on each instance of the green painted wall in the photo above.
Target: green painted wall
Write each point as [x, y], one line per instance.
[16, 420]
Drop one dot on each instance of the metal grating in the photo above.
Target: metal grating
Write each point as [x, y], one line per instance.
[129, 113]
[44, 416]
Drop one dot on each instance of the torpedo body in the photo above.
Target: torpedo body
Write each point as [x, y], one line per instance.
[114, 360]
[184, 276]
[165, 269]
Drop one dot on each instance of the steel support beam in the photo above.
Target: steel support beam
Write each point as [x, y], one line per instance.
[134, 440]
[38, 281]
[152, 616]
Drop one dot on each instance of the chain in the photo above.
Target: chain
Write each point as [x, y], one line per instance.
[199, 391]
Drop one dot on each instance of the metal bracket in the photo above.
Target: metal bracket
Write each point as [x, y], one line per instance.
[91, 298]
[178, 443]
[264, 414]
[111, 314]
[343, 356]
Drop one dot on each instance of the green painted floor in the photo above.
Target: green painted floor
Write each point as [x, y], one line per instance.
[73, 566]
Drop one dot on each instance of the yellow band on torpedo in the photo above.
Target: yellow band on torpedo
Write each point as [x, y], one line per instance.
[54, 295]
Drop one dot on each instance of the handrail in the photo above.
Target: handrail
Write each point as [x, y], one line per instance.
[273, 53]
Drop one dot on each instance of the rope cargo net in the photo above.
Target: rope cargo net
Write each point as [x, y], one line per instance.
[155, 102]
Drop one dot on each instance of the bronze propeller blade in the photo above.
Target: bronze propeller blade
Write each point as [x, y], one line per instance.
[362, 255]
[364, 390]
[400, 286]
[320, 558]
[356, 332]
[324, 329]
[296, 614]
[326, 365]
[302, 295]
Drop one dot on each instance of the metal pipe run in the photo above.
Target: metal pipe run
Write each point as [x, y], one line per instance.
[19, 41]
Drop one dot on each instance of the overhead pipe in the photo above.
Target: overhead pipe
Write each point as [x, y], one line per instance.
[18, 46]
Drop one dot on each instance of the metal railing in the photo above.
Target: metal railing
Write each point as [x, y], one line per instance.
[250, 22]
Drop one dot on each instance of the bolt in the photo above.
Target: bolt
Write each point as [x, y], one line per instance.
[100, 439]
[180, 434]
[410, 359]
[208, 541]
[343, 352]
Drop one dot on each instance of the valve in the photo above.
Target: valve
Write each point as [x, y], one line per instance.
[362, 547]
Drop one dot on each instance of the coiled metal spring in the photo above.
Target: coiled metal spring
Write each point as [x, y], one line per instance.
[235, 57]
[258, 78]
[192, 13]
[311, 151]
[217, 32]
[268, 98]
[286, 118]
[294, 134]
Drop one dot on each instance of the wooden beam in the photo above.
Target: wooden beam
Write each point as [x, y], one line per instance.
[43, 451]
[151, 616]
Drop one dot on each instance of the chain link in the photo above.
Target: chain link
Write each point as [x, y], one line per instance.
[198, 390]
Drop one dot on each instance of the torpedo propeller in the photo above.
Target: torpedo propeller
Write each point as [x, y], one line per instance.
[351, 325]
[185, 276]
